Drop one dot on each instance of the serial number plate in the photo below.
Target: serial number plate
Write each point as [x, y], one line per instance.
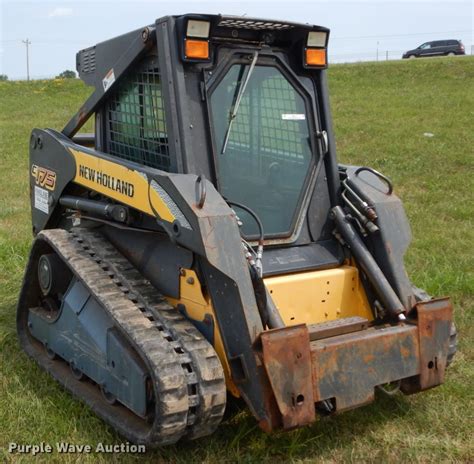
[41, 199]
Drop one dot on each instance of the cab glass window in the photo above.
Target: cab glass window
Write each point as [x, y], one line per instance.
[264, 153]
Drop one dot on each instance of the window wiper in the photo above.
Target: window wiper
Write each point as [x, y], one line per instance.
[237, 102]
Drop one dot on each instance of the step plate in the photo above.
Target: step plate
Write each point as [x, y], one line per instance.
[337, 327]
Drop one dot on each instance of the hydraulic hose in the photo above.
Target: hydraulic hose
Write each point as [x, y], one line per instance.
[253, 214]
[273, 318]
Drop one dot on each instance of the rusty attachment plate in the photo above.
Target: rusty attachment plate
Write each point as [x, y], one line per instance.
[348, 367]
[434, 326]
[287, 361]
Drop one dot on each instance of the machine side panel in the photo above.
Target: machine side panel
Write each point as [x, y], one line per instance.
[52, 168]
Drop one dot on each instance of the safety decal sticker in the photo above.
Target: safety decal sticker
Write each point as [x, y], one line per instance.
[293, 116]
[108, 80]
[42, 199]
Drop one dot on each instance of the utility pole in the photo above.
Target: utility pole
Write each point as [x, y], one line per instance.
[27, 42]
[377, 50]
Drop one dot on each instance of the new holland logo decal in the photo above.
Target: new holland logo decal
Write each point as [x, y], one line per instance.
[43, 177]
[106, 180]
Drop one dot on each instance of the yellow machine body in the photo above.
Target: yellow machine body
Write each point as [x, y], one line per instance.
[301, 298]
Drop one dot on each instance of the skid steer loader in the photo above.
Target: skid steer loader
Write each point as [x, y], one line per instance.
[205, 241]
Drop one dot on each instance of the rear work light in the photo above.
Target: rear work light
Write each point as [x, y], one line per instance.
[196, 42]
[315, 52]
[199, 29]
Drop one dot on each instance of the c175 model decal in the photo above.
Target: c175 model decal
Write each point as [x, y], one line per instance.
[43, 177]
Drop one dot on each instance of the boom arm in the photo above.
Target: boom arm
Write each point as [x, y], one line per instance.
[210, 231]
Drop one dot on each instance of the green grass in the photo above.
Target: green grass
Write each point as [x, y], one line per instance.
[381, 112]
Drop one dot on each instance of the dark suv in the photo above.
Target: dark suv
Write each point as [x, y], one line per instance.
[437, 48]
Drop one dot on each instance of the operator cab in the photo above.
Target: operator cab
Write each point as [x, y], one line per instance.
[262, 113]
[242, 102]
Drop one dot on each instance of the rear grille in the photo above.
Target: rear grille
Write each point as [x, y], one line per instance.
[254, 24]
[88, 60]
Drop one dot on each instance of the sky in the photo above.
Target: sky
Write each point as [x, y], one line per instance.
[360, 30]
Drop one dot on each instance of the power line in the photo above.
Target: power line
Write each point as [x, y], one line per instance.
[50, 41]
[395, 36]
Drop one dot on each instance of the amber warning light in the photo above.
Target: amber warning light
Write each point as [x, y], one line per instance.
[197, 49]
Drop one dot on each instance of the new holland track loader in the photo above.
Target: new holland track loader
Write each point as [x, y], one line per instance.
[204, 240]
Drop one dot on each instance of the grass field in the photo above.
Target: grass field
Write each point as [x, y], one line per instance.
[381, 113]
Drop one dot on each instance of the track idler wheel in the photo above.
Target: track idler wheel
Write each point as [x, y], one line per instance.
[53, 275]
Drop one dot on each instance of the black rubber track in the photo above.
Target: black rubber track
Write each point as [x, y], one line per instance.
[188, 380]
